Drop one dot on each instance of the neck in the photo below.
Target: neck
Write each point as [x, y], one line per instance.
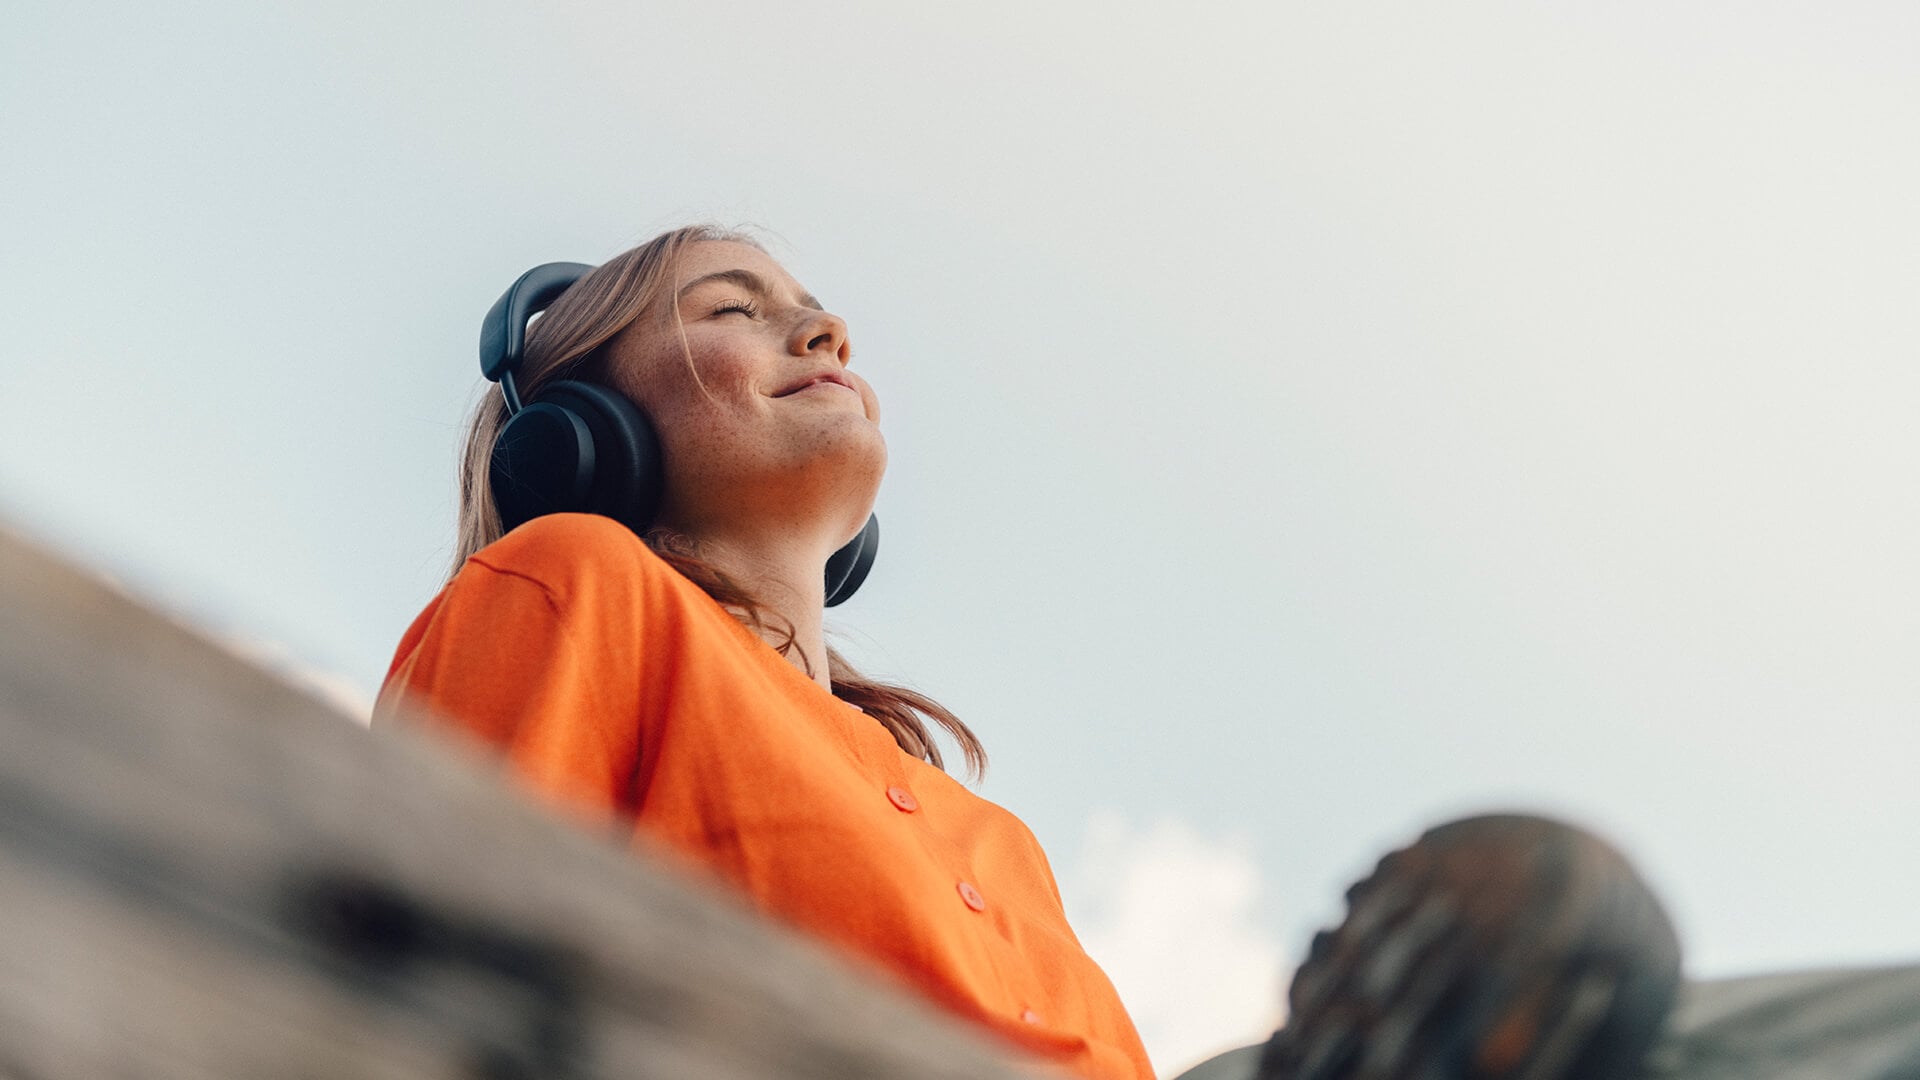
[788, 578]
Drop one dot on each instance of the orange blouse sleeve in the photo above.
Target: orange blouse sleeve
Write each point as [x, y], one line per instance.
[501, 655]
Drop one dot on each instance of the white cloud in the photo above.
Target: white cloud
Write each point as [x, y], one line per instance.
[1171, 915]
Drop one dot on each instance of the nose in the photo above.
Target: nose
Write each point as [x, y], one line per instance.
[822, 332]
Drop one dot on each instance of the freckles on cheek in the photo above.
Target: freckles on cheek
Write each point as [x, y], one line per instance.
[698, 427]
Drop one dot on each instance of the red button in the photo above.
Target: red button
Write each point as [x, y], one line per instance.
[1030, 1017]
[972, 896]
[903, 799]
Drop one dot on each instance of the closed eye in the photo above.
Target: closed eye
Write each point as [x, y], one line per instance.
[745, 307]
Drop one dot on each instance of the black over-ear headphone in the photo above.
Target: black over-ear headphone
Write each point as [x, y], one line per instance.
[579, 446]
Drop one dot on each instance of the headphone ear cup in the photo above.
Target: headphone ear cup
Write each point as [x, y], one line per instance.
[578, 447]
[627, 473]
[543, 463]
[848, 567]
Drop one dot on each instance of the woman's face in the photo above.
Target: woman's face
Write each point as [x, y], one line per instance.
[767, 425]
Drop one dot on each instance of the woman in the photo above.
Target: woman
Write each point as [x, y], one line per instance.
[659, 666]
[683, 684]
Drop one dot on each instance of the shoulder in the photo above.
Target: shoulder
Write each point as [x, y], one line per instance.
[578, 584]
[579, 557]
[564, 539]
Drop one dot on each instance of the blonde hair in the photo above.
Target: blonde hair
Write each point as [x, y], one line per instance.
[565, 343]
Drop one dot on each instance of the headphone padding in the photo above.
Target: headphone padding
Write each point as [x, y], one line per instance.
[849, 566]
[627, 474]
[543, 463]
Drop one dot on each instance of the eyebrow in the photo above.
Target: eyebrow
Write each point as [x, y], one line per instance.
[746, 279]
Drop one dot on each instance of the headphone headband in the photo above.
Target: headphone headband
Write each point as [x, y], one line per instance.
[503, 333]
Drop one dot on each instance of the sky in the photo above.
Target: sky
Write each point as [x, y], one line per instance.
[1307, 422]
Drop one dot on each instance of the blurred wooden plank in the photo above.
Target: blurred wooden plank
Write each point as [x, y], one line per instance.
[206, 873]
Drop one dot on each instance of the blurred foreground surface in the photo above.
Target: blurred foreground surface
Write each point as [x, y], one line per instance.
[208, 873]
[1830, 1025]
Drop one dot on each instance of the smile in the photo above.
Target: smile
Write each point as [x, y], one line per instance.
[831, 381]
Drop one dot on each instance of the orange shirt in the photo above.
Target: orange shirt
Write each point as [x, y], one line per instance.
[618, 689]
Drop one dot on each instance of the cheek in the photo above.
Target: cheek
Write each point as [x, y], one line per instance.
[691, 426]
[707, 430]
[698, 395]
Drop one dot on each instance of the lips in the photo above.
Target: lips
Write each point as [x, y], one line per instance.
[834, 377]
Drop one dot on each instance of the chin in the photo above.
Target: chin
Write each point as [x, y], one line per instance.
[858, 473]
[847, 470]
[850, 441]
[834, 464]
